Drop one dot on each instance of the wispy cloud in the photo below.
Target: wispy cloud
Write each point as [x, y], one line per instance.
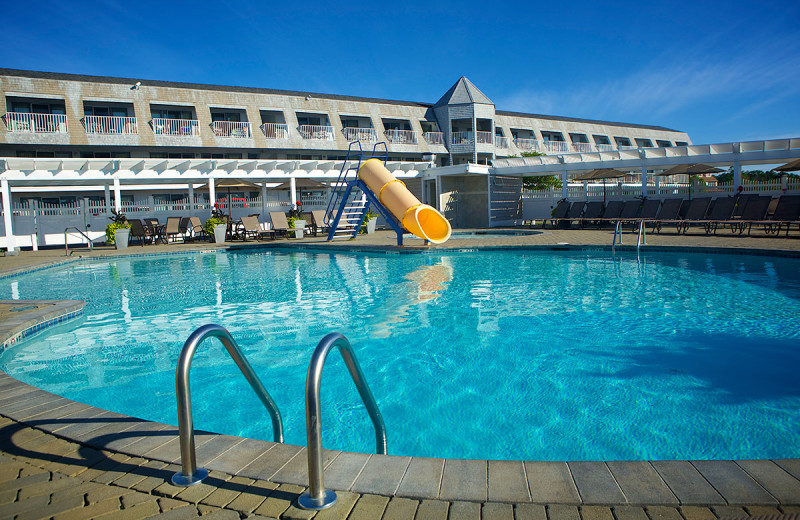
[663, 87]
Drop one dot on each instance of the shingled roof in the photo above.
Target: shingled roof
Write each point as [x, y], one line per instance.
[463, 92]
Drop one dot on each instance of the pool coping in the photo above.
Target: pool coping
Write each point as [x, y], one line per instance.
[667, 483]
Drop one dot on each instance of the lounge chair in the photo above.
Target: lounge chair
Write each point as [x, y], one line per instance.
[612, 211]
[172, 228]
[650, 209]
[787, 212]
[695, 214]
[560, 212]
[630, 211]
[721, 213]
[318, 221]
[575, 213]
[755, 210]
[592, 213]
[195, 229]
[252, 227]
[279, 223]
[670, 212]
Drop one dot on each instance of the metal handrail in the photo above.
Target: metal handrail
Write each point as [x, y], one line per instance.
[190, 473]
[317, 497]
[66, 244]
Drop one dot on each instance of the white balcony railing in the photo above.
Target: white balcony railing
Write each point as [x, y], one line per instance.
[462, 138]
[582, 147]
[360, 134]
[401, 136]
[627, 147]
[526, 144]
[484, 138]
[316, 132]
[501, 142]
[605, 147]
[176, 127]
[36, 123]
[275, 130]
[232, 129]
[556, 146]
[434, 137]
[110, 125]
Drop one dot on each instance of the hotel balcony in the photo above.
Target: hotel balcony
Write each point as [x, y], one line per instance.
[360, 134]
[110, 125]
[232, 129]
[176, 127]
[556, 146]
[581, 147]
[605, 147]
[501, 142]
[275, 130]
[401, 136]
[24, 122]
[434, 137]
[316, 132]
[530, 145]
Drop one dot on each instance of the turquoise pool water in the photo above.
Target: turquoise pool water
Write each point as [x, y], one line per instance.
[532, 355]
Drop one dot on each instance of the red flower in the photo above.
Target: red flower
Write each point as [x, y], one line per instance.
[299, 203]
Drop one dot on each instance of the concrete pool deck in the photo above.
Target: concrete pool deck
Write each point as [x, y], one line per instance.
[63, 459]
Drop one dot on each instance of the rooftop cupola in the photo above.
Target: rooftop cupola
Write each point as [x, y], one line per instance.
[462, 93]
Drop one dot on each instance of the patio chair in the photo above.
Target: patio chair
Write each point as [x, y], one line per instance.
[575, 212]
[279, 223]
[670, 212]
[612, 211]
[318, 221]
[171, 229]
[721, 213]
[195, 228]
[250, 226]
[139, 231]
[755, 210]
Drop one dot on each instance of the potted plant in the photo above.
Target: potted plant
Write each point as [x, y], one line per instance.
[217, 225]
[370, 219]
[118, 230]
[297, 225]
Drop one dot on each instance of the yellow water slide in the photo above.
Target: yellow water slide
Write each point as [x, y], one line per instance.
[420, 219]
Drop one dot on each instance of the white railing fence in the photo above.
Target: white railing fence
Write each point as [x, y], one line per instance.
[316, 132]
[232, 129]
[275, 130]
[501, 142]
[605, 147]
[556, 146]
[110, 125]
[484, 138]
[401, 136]
[176, 127]
[360, 134]
[582, 147]
[434, 137]
[461, 138]
[36, 123]
[526, 144]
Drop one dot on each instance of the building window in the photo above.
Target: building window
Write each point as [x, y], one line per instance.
[663, 144]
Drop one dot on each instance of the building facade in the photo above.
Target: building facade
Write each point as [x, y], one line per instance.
[52, 115]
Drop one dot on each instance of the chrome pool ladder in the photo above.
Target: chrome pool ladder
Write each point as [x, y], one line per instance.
[190, 474]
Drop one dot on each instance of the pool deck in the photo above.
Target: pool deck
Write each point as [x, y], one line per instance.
[66, 460]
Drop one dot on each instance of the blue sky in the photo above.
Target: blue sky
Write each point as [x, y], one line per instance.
[722, 71]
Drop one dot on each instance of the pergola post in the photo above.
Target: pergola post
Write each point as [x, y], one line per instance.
[117, 196]
[293, 190]
[7, 213]
[564, 190]
[644, 181]
[212, 194]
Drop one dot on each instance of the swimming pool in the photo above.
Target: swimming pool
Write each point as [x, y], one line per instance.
[522, 355]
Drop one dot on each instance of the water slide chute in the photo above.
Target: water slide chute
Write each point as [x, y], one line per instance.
[419, 219]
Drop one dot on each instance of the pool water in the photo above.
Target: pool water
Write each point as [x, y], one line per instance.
[519, 355]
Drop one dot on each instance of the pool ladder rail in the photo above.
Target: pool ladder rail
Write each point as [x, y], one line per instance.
[317, 497]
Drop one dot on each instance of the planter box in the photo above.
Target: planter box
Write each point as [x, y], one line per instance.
[220, 230]
[121, 237]
[299, 228]
[371, 225]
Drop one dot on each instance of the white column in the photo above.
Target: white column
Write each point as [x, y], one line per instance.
[293, 190]
[191, 197]
[117, 196]
[7, 211]
[212, 194]
[264, 199]
[737, 175]
[644, 181]
[107, 193]
[564, 191]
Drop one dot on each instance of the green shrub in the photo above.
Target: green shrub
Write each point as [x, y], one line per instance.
[209, 224]
[111, 230]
